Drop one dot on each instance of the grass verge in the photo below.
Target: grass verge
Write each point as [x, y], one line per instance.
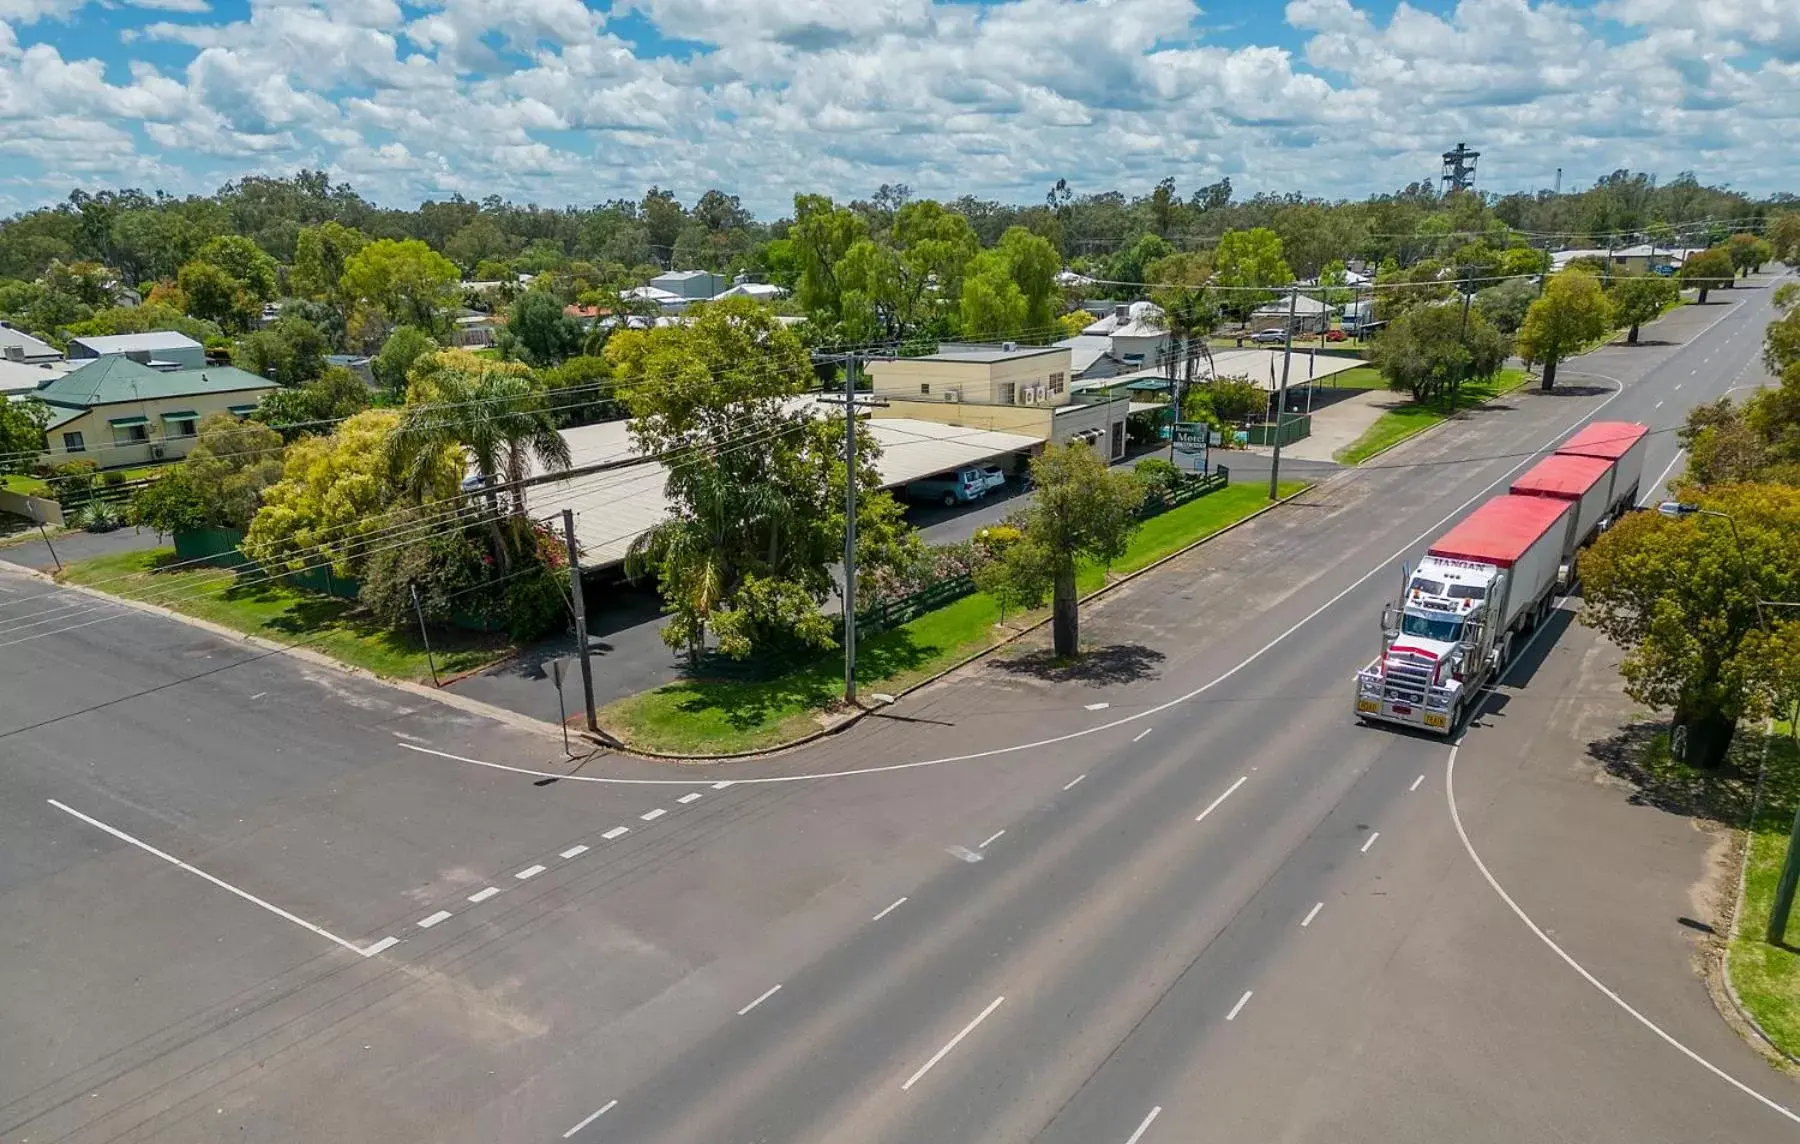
[25, 485]
[724, 716]
[273, 610]
[1396, 425]
[1767, 977]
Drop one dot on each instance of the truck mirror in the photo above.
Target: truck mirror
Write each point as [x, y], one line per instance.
[1388, 622]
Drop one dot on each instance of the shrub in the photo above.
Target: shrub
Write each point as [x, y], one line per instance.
[1161, 478]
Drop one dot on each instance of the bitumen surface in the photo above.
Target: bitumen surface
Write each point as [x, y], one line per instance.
[1170, 893]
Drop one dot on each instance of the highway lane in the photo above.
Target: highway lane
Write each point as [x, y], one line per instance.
[1086, 973]
[619, 973]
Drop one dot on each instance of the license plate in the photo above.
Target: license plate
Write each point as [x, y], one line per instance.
[1401, 709]
[1434, 720]
[1367, 705]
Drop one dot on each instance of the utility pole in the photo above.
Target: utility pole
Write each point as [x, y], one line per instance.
[579, 606]
[424, 635]
[850, 529]
[1462, 340]
[1287, 358]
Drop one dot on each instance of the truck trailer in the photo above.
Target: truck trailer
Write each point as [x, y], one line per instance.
[1480, 589]
[1586, 483]
[1624, 444]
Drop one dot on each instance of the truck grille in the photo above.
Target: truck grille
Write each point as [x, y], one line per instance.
[1408, 681]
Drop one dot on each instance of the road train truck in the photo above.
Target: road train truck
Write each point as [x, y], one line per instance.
[1487, 583]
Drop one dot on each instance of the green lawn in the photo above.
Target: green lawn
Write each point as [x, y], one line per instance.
[27, 485]
[730, 715]
[1362, 377]
[1767, 978]
[287, 615]
[1396, 425]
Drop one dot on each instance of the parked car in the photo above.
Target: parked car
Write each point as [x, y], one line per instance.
[948, 489]
[993, 476]
[1335, 335]
[1269, 337]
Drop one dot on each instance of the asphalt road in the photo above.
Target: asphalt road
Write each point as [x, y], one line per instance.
[1174, 894]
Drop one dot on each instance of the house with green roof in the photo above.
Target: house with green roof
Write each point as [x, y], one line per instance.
[117, 412]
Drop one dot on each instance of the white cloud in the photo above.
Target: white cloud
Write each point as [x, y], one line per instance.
[194, 6]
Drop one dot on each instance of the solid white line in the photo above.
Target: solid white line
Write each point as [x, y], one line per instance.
[591, 1117]
[1456, 819]
[1145, 1126]
[898, 902]
[954, 1041]
[963, 852]
[721, 786]
[1384, 567]
[1070, 785]
[384, 943]
[1141, 734]
[1214, 805]
[529, 872]
[616, 832]
[434, 919]
[653, 815]
[574, 852]
[1239, 1007]
[484, 895]
[1311, 914]
[257, 696]
[773, 989]
[1415, 785]
[1098, 706]
[994, 837]
[199, 873]
[1644, 499]
[1370, 842]
[691, 796]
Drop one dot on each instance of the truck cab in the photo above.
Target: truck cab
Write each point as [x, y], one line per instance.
[1436, 646]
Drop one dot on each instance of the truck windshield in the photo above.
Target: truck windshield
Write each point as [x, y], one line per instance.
[1432, 628]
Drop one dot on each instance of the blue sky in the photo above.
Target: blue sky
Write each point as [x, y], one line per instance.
[558, 101]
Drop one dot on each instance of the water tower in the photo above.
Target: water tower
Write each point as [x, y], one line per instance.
[1459, 168]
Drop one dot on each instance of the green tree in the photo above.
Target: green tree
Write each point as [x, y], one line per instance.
[320, 253]
[822, 233]
[495, 411]
[481, 240]
[1032, 263]
[228, 280]
[581, 391]
[289, 351]
[993, 307]
[1129, 268]
[1430, 351]
[542, 330]
[1707, 271]
[143, 319]
[170, 504]
[1080, 510]
[1189, 311]
[1236, 400]
[1784, 237]
[403, 347]
[231, 463]
[407, 281]
[21, 434]
[331, 504]
[1506, 305]
[1746, 251]
[1641, 298]
[1680, 597]
[1248, 264]
[1573, 312]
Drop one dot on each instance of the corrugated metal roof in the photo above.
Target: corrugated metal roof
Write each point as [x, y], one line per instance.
[127, 343]
[112, 380]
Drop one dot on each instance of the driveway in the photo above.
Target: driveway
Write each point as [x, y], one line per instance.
[32, 552]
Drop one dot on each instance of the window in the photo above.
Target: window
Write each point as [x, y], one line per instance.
[130, 434]
[184, 428]
[1003, 392]
[72, 443]
[1056, 383]
[1427, 627]
[925, 389]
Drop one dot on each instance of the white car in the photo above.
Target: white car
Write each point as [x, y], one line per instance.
[993, 477]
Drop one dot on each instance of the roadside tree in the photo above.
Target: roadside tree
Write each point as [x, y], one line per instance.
[1707, 271]
[1430, 351]
[1505, 305]
[1080, 510]
[1236, 400]
[21, 434]
[406, 281]
[1680, 597]
[1784, 237]
[1747, 252]
[1641, 298]
[1573, 312]
[1247, 266]
[230, 465]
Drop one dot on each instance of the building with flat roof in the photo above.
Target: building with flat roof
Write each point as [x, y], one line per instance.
[691, 285]
[158, 349]
[18, 346]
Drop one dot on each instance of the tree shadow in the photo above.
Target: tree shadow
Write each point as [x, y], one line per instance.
[1638, 754]
[751, 695]
[1643, 343]
[1115, 663]
[1562, 390]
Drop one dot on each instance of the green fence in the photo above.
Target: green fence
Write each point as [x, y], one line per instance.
[219, 546]
[889, 614]
[1293, 427]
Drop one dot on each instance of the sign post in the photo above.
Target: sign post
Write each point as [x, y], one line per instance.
[562, 709]
[1188, 448]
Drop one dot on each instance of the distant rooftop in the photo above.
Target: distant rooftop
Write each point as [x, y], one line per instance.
[132, 343]
[110, 380]
[989, 354]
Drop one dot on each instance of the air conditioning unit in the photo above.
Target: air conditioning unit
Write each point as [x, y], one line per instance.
[952, 395]
[1039, 394]
[156, 452]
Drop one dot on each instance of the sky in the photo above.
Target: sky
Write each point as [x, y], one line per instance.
[564, 102]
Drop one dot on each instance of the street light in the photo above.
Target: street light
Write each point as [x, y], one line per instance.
[1790, 866]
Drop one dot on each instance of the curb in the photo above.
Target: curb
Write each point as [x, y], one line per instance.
[1424, 429]
[862, 712]
[318, 659]
[1737, 915]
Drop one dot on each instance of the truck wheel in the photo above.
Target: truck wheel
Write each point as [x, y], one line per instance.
[1506, 655]
[949, 500]
[1456, 713]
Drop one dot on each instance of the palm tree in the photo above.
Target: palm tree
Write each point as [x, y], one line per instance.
[494, 411]
[1190, 315]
